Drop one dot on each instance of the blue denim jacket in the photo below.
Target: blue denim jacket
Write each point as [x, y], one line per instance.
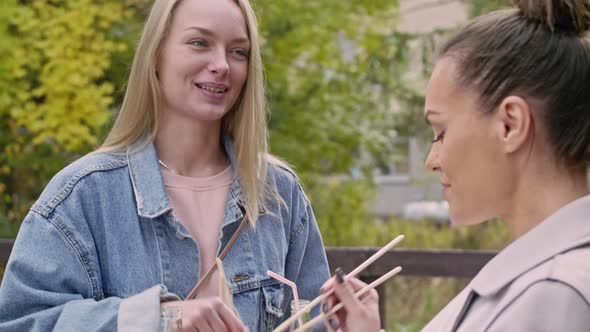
[100, 249]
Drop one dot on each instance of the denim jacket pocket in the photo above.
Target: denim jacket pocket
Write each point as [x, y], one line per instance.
[260, 303]
[273, 296]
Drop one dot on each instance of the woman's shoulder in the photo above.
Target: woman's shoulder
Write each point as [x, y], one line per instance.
[559, 285]
[281, 172]
[546, 305]
[570, 269]
[573, 269]
[284, 178]
[86, 165]
[64, 182]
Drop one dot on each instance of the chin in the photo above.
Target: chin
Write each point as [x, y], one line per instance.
[460, 218]
[209, 114]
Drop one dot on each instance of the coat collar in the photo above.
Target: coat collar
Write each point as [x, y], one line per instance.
[566, 229]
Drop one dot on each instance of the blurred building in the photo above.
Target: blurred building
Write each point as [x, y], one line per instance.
[423, 16]
[406, 188]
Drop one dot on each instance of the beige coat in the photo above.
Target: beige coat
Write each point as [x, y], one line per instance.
[541, 282]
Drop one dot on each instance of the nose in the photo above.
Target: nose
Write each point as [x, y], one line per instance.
[218, 63]
[432, 162]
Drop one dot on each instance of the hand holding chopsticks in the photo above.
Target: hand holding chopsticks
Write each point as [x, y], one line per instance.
[358, 294]
[352, 274]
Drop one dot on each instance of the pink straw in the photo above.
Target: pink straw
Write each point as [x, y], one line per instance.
[293, 287]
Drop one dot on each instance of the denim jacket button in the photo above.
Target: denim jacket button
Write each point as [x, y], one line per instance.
[180, 236]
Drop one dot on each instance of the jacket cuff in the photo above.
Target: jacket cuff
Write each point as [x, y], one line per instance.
[141, 312]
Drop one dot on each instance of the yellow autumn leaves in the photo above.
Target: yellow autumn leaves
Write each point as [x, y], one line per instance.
[58, 63]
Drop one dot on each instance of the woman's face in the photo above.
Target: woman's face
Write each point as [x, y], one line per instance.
[203, 64]
[466, 152]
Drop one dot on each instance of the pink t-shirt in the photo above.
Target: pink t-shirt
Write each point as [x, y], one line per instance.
[199, 205]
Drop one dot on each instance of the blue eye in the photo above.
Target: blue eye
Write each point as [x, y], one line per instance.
[439, 138]
[199, 43]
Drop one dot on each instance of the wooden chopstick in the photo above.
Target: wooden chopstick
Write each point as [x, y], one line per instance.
[352, 274]
[339, 306]
[375, 256]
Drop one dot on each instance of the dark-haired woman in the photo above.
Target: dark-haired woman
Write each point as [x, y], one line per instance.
[508, 103]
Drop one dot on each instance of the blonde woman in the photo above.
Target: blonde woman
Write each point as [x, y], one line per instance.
[136, 224]
[508, 105]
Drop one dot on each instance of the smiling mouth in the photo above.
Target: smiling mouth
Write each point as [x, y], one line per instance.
[211, 88]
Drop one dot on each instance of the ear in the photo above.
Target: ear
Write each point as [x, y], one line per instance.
[515, 123]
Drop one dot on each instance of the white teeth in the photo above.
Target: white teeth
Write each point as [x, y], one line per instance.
[210, 89]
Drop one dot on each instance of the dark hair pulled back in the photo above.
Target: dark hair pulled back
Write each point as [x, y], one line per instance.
[537, 50]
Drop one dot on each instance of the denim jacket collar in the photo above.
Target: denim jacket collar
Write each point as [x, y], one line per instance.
[234, 209]
[150, 192]
[148, 185]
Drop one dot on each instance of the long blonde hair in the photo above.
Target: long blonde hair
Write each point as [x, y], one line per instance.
[245, 124]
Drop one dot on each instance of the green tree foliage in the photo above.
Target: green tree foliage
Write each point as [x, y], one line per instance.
[7, 9]
[478, 7]
[333, 69]
[55, 99]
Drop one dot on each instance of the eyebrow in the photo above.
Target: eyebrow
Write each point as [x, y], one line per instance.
[428, 114]
[210, 33]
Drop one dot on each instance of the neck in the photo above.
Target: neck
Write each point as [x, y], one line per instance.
[540, 194]
[191, 148]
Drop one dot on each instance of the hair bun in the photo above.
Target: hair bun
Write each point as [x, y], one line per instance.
[566, 15]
